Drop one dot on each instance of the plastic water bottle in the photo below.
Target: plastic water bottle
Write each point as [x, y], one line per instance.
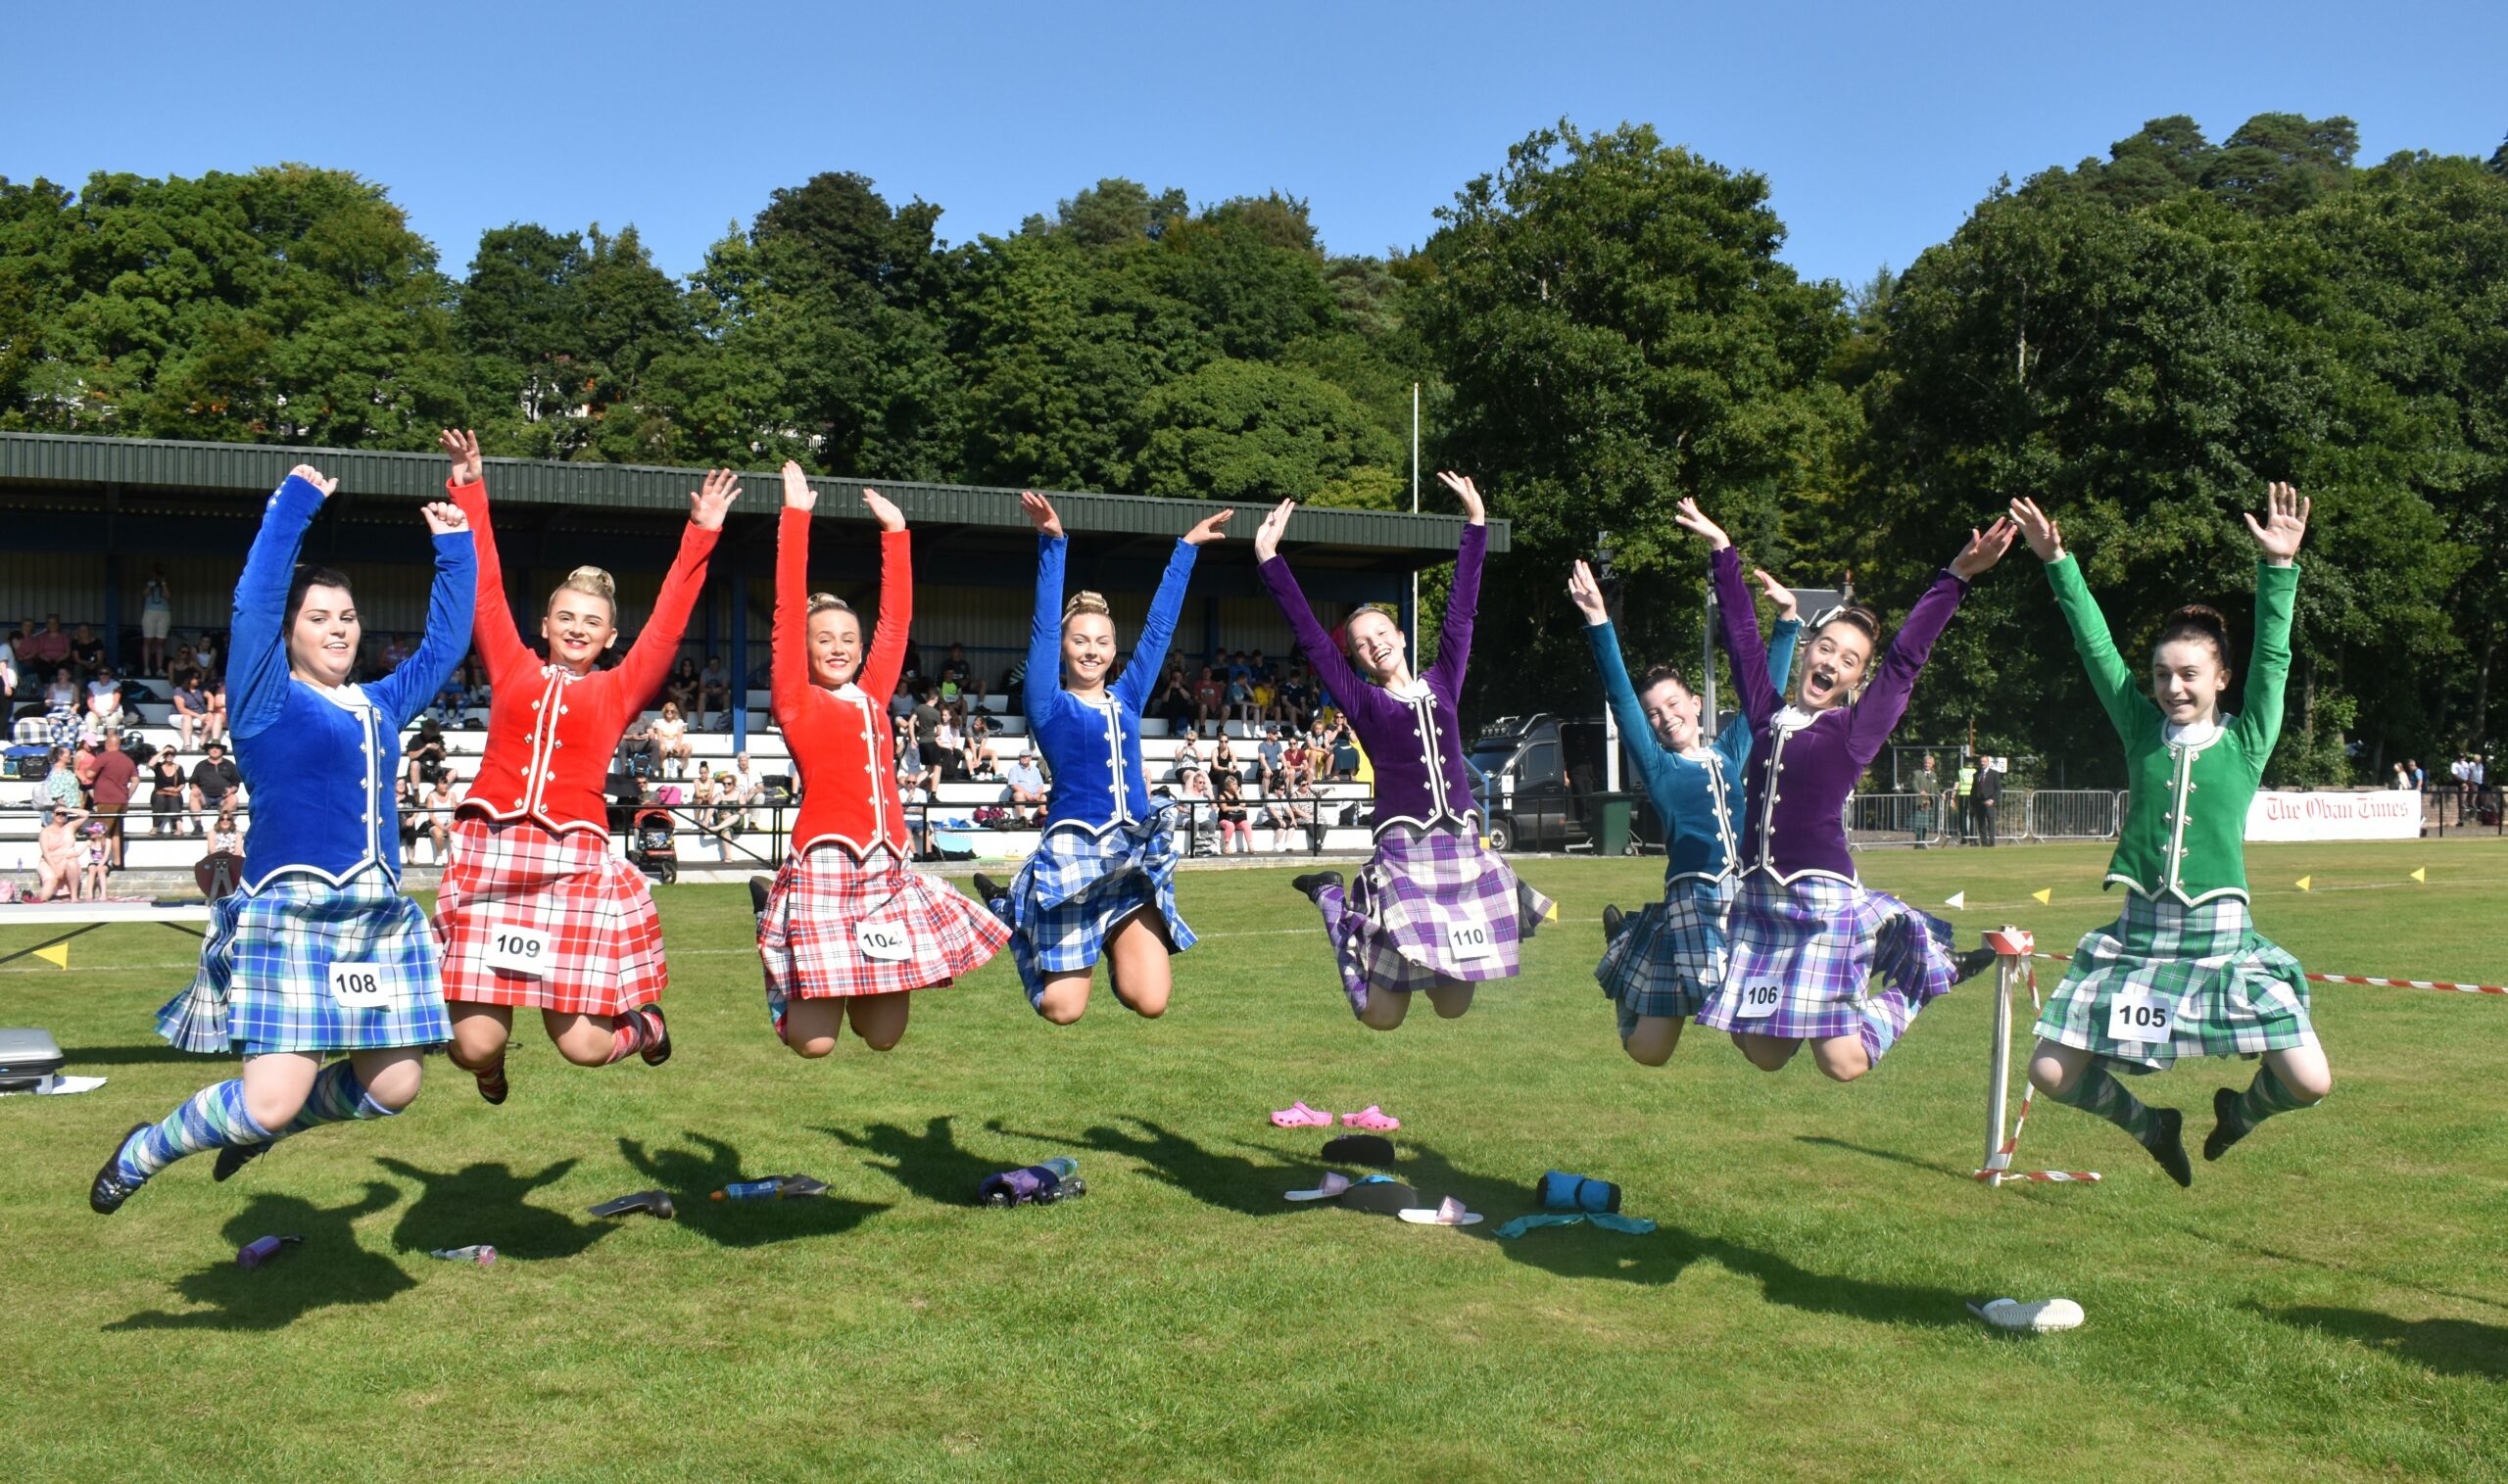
[261, 1250]
[775, 1187]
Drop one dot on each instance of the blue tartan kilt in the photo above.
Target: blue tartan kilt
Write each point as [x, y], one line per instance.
[1078, 887]
[264, 982]
[1669, 960]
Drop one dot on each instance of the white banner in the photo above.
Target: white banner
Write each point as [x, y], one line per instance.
[2386, 814]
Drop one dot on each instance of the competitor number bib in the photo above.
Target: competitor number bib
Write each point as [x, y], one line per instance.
[518, 950]
[882, 942]
[359, 986]
[2137, 1015]
[1468, 941]
[1759, 1001]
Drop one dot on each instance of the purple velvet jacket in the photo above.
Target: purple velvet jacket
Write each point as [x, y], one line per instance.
[1413, 742]
[1800, 774]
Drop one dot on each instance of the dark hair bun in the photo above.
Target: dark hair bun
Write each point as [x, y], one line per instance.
[1857, 615]
[1655, 675]
[2197, 621]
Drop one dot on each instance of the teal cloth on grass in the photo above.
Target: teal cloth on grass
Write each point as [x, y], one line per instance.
[1634, 1225]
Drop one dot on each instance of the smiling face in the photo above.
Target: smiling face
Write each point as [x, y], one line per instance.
[1832, 665]
[1672, 709]
[2188, 680]
[322, 640]
[1377, 648]
[836, 647]
[1088, 649]
[578, 626]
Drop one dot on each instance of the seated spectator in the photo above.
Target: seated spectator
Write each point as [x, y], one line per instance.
[438, 806]
[981, 765]
[191, 709]
[1223, 756]
[1174, 703]
[8, 675]
[426, 754]
[98, 865]
[745, 789]
[1014, 682]
[1209, 700]
[670, 737]
[714, 695]
[47, 646]
[1228, 804]
[215, 728]
[226, 835]
[1289, 815]
[1240, 701]
[680, 688]
[958, 678]
[1026, 789]
[166, 784]
[215, 783]
[949, 751]
[640, 751]
[63, 697]
[1188, 759]
[395, 650]
[206, 652]
[1295, 698]
[915, 783]
[86, 650]
[60, 857]
[105, 716]
[1270, 754]
[408, 807]
[186, 658]
[1345, 754]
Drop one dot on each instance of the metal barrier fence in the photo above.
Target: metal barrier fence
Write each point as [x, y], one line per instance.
[1878, 821]
[2074, 814]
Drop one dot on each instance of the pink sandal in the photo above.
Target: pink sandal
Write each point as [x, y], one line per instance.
[1372, 1119]
[1299, 1116]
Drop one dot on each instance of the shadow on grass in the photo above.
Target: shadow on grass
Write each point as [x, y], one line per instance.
[694, 1176]
[1227, 1181]
[484, 1203]
[75, 1057]
[2449, 1347]
[930, 1164]
[1892, 1155]
[328, 1269]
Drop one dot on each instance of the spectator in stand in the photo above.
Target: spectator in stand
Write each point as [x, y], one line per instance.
[156, 621]
[670, 739]
[1258, 692]
[714, 693]
[61, 785]
[215, 783]
[918, 765]
[438, 805]
[927, 732]
[982, 764]
[428, 753]
[1928, 789]
[184, 659]
[1224, 757]
[1986, 798]
[746, 789]
[395, 650]
[86, 650]
[62, 698]
[1239, 668]
[1345, 752]
[47, 646]
[1014, 685]
[680, 688]
[166, 784]
[60, 859]
[9, 664]
[206, 653]
[191, 711]
[227, 837]
[958, 678]
[110, 786]
[1296, 697]
[1229, 804]
[1188, 759]
[951, 738]
[1210, 700]
[915, 781]
[1027, 788]
[1193, 792]
[1174, 703]
[407, 804]
[97, 867]
[216, 729]
[1274, 776]
[104, 714]
[1240, 701]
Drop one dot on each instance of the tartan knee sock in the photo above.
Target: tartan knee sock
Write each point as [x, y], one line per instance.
[336, 1097]
[2264, 1097]
[210, 1119]
[2098, 1092]
[1885, 1015]
[633, 1031]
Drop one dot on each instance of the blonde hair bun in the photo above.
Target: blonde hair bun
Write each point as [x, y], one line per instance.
[592, 580]
[1084, 602]
[826, 602]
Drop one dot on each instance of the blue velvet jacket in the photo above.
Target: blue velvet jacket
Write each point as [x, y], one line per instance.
[1094, 747]
[321, 763]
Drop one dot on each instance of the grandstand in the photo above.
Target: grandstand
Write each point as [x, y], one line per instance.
[93, 517]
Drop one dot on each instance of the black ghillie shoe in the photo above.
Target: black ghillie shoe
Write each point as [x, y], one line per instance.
[2230, 1130]
[759, 888]
[1312, 882]
[105, 1197]
[989, 890]
[1970, 964]
[493, 1086]
[1614, 923]
[235, 1157]
[2167, 1145]
[656, 1049]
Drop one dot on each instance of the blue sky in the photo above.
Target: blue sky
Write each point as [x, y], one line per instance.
[1878, 127]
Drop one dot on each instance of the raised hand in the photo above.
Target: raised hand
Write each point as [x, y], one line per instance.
[2044, 537]
[313, 477]
[1778, 594]
[885, 510]
[705, 508]
[2285, 524]
[1587, 594]
[1040, 512]
[1690, 518]
[443, 517]
[798, 493]
[462, 446]
[1266, 535]
[1983, 548]
[1209, 528]
[1474, 510]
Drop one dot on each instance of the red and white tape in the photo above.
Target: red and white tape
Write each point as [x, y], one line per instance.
[2019, 944]
[2360, 978]
[2053, 1176]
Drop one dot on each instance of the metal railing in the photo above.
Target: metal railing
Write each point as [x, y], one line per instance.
[1880, 821]
[2074, 814]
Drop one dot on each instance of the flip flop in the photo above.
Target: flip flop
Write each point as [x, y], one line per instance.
[1299, 1116]
[1371, 1118]
[1447, 1212]
[1332, 1183]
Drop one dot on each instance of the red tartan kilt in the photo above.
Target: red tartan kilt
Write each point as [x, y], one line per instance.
[605, 939]
[807, 938]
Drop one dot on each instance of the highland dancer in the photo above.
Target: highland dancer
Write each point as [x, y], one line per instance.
[536, 910]
[848, 932]
[319, 952]
[1101, 883]
[2182, 972]
[1807, 934]
[1434, 909]
[1661, 968]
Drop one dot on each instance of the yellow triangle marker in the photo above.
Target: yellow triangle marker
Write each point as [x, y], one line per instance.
[1957, 901]
[2045, 898]
[2421, 874]
[58, 955]
[2303, 883]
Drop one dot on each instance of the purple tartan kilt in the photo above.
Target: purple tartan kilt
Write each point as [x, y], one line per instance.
[1395, 928]
[1819, 941]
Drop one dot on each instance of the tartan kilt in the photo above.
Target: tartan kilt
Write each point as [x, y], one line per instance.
[1670, 957]
[1077, 887]
[807, 937]
[263, 984]
[1390, 928]
[2237, 992]
[604, 937]
[1820, 941]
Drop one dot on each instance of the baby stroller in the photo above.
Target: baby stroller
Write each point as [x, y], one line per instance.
[652, 846]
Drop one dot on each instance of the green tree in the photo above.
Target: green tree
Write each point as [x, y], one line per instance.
[1247, 431]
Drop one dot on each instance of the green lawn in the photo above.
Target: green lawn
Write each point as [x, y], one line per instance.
[2329, 1302]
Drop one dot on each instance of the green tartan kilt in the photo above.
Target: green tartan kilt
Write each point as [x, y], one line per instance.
[2236, 992]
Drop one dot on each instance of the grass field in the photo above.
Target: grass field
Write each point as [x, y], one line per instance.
[2329, 1302]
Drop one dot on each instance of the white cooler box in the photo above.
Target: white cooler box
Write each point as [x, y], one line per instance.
[28, 1058]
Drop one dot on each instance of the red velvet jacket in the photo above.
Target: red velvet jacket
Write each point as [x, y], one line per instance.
[550, 734]
[839, 738]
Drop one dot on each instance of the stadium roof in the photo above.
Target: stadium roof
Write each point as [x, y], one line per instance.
[136, 475]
